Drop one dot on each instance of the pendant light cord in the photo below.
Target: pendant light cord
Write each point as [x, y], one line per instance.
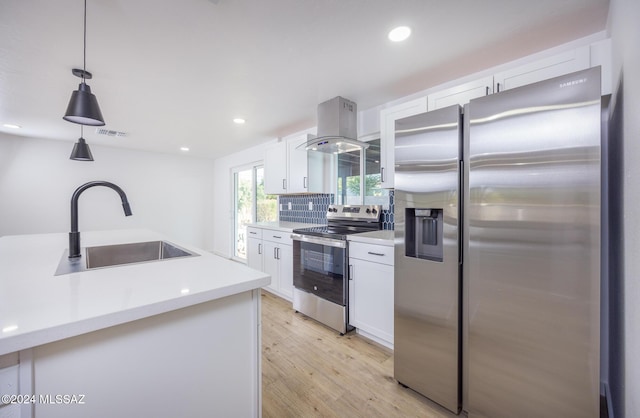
[84, 50]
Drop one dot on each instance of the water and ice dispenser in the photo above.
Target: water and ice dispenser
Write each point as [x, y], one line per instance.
[423, 237]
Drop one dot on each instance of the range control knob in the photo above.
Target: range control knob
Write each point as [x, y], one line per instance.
[375, 211]
[369, 210]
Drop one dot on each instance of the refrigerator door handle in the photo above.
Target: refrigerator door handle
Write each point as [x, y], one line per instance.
[460, 213]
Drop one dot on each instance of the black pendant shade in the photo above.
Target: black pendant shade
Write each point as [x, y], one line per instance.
[81, 151]
[83, 107]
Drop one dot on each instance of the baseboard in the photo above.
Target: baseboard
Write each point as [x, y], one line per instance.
[374, 338]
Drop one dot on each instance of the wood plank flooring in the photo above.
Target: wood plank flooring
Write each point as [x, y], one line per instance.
[309, 370]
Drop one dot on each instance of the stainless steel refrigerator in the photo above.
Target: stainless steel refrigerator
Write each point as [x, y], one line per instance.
[497, 258]
[532, 250]
[427, 345]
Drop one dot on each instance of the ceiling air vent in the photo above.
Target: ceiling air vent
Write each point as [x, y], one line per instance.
[109, 132]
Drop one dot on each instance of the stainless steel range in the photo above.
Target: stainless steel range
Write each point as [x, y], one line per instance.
[320, 263]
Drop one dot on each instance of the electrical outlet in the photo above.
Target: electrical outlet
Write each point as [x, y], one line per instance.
[310, 205]
[289, 205]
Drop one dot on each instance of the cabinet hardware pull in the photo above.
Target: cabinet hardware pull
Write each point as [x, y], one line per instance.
[277, 236]
[350, 271]
[278, 253]
[275, 252]
[372, 253]
[487, 91]
[254, 233]
[284, 184]
[304, 182]
[382, 174]
[498, 87]
[259, 248]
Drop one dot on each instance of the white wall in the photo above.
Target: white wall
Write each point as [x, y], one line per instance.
[624, 23]
[223, 186]
[169, 194]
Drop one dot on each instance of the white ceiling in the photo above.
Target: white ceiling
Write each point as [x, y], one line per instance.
[175, 73]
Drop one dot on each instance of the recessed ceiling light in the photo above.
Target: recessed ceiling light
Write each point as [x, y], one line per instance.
[185, 149]
[11, 125]
[399, 34]
[239, 121]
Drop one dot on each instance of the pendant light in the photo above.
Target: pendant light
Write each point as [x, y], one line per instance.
[81, 151]
[83, 106]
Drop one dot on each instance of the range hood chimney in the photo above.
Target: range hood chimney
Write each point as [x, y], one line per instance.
[337, 128]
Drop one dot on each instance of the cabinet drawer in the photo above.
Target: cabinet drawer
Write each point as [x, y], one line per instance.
[277, 236]
[371, 252]
[253, 232]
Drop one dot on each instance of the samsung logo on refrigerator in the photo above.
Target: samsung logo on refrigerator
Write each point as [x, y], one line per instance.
[573, 82]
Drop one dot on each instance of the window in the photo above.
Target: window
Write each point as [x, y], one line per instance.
[251, 204]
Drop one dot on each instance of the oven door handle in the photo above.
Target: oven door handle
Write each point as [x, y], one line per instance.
[321, 241]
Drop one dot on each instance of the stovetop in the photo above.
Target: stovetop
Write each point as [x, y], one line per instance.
[343, 220]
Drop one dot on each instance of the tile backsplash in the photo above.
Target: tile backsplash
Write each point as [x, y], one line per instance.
[300, 212]
[387, 214]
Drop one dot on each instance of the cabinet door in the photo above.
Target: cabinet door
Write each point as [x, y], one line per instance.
[270, 265]
[372, 285]
[461, 94]
[550, 67]
[387, 135]
[275, 169]
[285, 279]
[254, 253]
[297, 158]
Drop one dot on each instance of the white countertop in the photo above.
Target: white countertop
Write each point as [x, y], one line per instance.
[282, 225]
[37, 307]
[381, 237]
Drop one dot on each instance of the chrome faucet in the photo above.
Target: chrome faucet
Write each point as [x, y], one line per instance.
[74, 235]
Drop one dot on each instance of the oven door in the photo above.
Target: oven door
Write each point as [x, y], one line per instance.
[319, 267]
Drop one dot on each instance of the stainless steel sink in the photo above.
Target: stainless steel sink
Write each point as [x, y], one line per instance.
[121, 254]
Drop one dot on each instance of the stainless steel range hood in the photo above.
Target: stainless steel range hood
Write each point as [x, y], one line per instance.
[337, 128]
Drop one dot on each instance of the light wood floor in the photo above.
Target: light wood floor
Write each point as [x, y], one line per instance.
[309, 370]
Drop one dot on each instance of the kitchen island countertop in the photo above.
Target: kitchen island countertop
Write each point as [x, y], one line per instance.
[37, 307]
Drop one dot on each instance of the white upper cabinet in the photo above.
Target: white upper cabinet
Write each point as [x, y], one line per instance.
[461, 94]
[600, 54]
[297, 157]
[275, 168]
[556, 65]
[388, 119]
[290, 169]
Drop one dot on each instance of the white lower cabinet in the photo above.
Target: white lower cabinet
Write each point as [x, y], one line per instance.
[277, 260]
[371, 291]
[255, 249]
